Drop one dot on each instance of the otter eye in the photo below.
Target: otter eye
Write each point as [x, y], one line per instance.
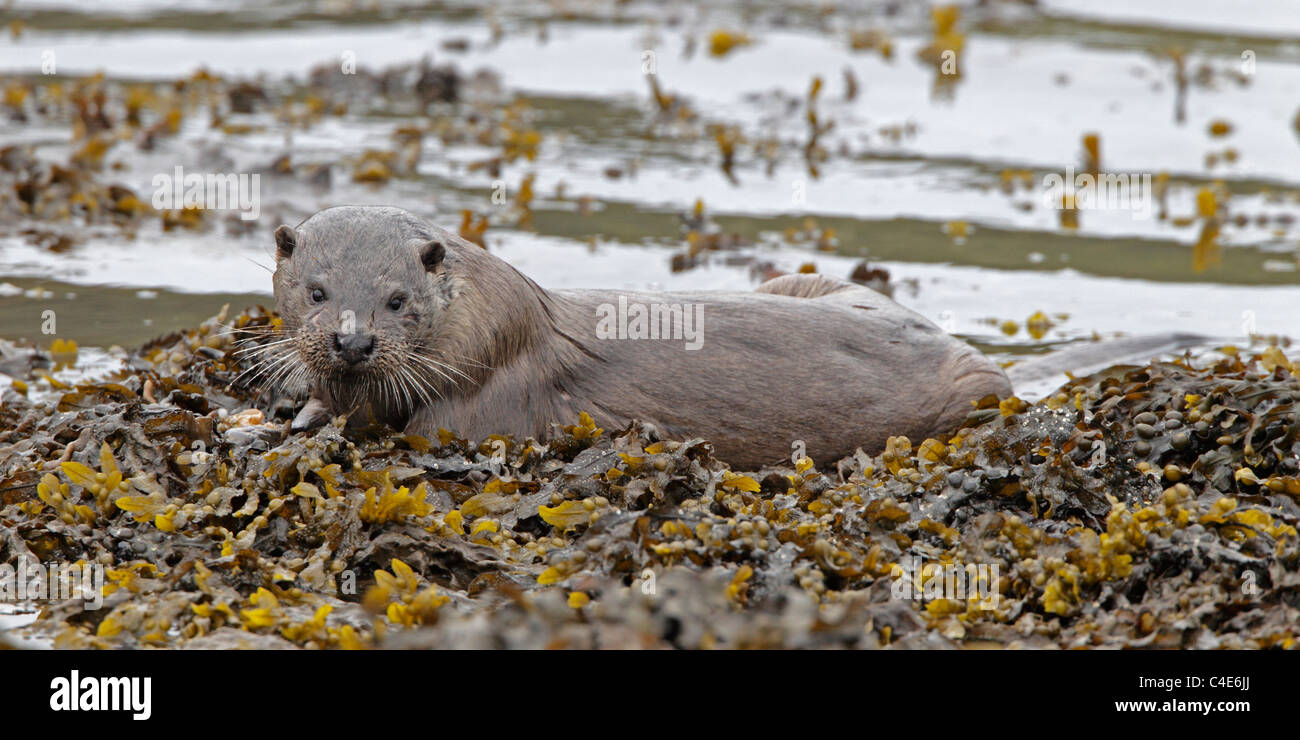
[396, 302]
[317, 295]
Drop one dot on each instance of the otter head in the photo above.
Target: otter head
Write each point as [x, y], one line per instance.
[362, 292]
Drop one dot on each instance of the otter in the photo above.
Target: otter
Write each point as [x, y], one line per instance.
[391, 319]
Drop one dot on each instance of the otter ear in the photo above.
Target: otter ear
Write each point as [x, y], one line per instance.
[286, 240]
[431, 254]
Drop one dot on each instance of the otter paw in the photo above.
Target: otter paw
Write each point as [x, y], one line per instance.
[313, 415]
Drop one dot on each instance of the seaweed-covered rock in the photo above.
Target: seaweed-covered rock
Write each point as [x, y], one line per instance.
[1142, 506]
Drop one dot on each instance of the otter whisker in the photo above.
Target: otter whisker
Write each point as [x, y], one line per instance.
[427, 351]
[282, 370]
[426, 347]
[286, 384]
[264, 366]
[454, 369]
[257, 336]
[297, 377]
[279, 366]
[255, 331]
[391, 381]
[427, 384]
[436, 366]
[259, 264]
[445, 376]
[464, 359]
[409, 378]
[400, 380]
[432, 359]
[261, 347]
[423, 388]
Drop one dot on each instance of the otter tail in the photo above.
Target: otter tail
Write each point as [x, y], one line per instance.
[1032, 377]
[1041, 374]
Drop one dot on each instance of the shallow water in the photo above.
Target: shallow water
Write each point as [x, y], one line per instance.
[905, 158]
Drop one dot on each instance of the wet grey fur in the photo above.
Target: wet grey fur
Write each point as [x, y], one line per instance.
[804, 357]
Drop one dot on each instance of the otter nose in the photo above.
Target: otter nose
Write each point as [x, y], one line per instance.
[353, 348]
